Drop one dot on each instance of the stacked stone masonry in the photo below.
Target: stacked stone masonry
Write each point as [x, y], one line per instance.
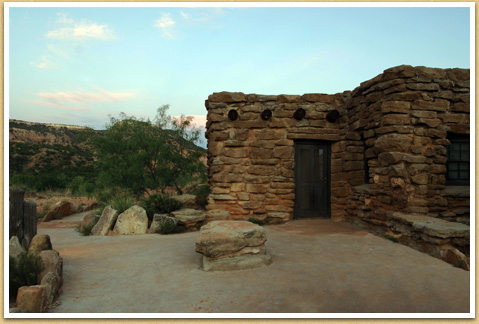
[389, 142]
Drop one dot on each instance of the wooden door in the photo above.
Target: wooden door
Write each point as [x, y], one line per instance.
[312, 177]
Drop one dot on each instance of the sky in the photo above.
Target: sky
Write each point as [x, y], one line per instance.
[77, 66]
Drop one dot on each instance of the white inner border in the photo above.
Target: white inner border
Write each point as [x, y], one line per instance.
[8, 5]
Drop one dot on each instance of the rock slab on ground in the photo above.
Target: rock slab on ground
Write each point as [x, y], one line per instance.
[59, 210]
[132, 221]
[189, 201]
[32, 299]
[52, 262]
[159, 220]
[232, 245]
[105, 223]
[190, 218]
[89, 220]
[52, 282]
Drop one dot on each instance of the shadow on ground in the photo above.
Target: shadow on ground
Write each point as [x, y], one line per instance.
[318, 267]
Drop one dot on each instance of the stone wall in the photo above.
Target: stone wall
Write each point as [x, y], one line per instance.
[388, 148]
[251, 160]
[404, 116]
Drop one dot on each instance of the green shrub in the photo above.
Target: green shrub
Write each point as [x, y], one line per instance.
[167, 227]
[160, 204]
[23, 271]
[202, 195]
[121, 203]
[85, 230]
[171, 228]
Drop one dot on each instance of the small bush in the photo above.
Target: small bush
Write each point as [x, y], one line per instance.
[256, 221]
[167, 227]
[171, 228]
[121, 203]
[23, 271]
[85, 230]
[160, 204]
[202, 195]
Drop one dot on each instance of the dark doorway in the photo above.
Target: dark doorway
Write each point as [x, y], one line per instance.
[312, 177]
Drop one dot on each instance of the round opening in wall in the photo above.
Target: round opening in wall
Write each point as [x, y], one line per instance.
[267, 114]
[232, 115]
[299, 114]
[332, 116]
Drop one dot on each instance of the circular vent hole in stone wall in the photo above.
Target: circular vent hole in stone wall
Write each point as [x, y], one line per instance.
[267, 114]
[332, 116]
[299, 114]
[232, 114]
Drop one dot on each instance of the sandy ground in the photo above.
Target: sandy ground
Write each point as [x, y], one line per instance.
[318, 267]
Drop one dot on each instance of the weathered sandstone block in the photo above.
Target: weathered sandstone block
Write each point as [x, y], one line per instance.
[227, 97]
[39, 243]
[32, 299]
[59, 210]
[52, 262]
[232, 245]
[190, 218]
[132, 221]
[106, 222]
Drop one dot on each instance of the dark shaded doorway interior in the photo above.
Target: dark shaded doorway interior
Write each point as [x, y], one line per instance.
[312, 177]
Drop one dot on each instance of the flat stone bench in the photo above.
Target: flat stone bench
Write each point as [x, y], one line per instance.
[232, 245]
[437, 237]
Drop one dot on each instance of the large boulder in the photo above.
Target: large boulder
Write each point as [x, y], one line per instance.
[132, 221]
[59, 210]
[232, 245]
[39, 243]
[89, 220]
[52, 283]
[190, 218]
[32, 299]
[160, 220]
[15, 248]
[106, 221]
[52, 262]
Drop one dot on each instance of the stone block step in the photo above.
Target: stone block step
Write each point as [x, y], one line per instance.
[432, 226]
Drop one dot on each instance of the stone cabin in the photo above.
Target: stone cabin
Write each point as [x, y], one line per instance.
[391, 156]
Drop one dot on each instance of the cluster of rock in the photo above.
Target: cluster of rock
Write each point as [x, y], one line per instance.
[134, 221]
[232, 245]
[66, 208]
[37, 298]
[389, 140]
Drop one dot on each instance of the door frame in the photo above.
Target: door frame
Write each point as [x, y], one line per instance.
[327, 146]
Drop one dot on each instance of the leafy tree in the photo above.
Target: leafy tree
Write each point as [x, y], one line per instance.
[140, 155]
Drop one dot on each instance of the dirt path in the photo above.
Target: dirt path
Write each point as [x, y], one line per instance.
[318, 267]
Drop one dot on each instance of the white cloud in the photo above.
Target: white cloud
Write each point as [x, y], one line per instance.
[201, 15]
[166, 26]
[52, 104]
[44, 64]
[69, 29]
[184, 15]
[78, 99]
[64, 18]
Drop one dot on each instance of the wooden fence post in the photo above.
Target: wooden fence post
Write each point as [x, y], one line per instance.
[16, 213]
[29, 222]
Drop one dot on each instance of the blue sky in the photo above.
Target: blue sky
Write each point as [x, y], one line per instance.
[78, 65]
